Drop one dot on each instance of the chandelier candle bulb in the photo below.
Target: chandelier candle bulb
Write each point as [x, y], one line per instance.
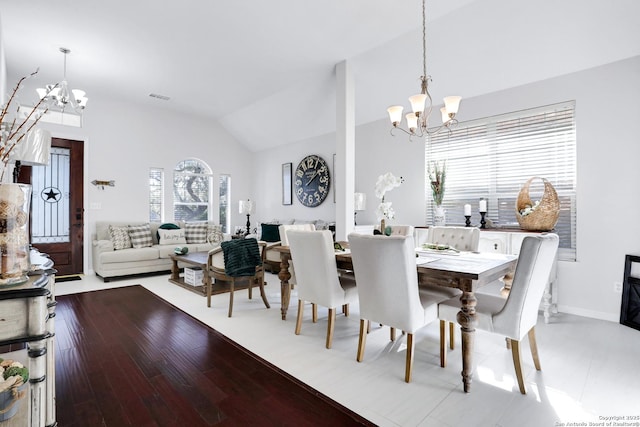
[483, 206]
[467, 210]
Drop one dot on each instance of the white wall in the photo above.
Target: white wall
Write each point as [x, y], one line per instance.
[268, 181]
[608, 152]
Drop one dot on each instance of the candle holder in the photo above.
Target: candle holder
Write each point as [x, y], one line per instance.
[482, 221]
[468, 221]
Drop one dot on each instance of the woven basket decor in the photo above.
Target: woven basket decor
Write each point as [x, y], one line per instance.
[545, 216]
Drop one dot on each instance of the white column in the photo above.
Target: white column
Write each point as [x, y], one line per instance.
[344, 175]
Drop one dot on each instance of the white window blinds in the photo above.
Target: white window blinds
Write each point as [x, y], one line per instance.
[492, 158]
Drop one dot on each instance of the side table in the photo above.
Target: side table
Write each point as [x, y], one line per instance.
[197, 259]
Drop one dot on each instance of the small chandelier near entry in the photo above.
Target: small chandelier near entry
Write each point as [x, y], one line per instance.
[418, 120]
[60, 96]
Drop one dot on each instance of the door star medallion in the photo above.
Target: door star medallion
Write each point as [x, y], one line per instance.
[51, 195]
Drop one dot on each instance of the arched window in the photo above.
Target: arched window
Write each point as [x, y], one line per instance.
[192, 184]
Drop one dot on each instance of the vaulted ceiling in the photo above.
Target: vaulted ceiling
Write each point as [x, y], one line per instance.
[266, 69]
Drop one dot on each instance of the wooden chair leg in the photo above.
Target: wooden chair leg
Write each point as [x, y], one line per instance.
[517, 364]
[368, 326]
[314, 312]
[231, 288]
[452, 335]
[250, 287]
[392, 334]
[345, 310]
[299, 318]
[330, 326]
[362, 340]
[443, 343]
[263, 294]
[409, 367]
[534, 348]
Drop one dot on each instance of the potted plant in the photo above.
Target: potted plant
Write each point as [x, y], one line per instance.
[13, 382]
[437, 178]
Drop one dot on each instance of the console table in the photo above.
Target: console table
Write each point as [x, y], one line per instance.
[27, 313]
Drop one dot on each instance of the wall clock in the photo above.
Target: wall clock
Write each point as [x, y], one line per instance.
[312, 181]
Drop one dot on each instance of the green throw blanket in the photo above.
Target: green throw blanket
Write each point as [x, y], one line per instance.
[241, 257]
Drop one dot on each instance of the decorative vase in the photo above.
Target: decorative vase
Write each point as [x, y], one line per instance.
[439, 217]
[383, 226]
[14, 233]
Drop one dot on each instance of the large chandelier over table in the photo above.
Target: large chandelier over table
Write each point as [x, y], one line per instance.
[60, 96]
[422, 103]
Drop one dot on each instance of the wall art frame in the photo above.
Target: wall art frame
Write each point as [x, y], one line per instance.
[287, 184]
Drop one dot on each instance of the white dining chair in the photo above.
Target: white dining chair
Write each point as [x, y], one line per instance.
[317, 280]
[388, 292]
[462, 239]
[517, 315]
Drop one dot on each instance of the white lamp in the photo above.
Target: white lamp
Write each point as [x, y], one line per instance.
[359, 204]
[33, 150]
[246, 208]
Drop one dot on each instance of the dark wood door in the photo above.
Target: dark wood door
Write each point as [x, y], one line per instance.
[57, 214]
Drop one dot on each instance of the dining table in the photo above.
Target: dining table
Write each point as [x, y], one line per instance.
[466, 271]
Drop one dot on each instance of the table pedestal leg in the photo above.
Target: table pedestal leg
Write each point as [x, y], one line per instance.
[468, 321]
[285, 287]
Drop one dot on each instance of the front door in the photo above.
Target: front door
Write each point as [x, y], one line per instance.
[57, 206]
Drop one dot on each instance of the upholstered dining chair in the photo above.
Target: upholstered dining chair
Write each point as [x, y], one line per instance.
[398, 230]
[388, 292]
[239, 260]
[462, 239]
[313, 256]
[517, 315]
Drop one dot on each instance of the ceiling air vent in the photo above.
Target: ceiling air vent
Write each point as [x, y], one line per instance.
[162, 97]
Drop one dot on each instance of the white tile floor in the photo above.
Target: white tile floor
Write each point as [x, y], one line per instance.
[589, 367]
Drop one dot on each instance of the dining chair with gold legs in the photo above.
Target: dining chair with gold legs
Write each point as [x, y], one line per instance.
[388, 292]
[517, 315]
[317, 280]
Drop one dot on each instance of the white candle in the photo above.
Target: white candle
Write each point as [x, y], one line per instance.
[467, 210]
[483, 206]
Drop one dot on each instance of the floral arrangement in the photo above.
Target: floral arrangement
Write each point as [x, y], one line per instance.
[528, 209]
[437, 177]
[12, 131]
[12, 374]
[385, 183]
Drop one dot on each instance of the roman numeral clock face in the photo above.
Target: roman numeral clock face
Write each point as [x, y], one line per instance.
[312, 181]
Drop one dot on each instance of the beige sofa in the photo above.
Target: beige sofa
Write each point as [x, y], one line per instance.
[109, 263]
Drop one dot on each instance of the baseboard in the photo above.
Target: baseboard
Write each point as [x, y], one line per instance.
[600, 315]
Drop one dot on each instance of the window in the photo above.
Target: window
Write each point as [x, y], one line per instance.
[156, 194]
[492, 158]
[191, 191]
[225, 202]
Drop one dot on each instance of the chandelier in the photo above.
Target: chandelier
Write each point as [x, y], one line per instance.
[60, 96]
[418, 120]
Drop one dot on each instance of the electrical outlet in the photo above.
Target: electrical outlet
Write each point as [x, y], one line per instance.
[617, 287]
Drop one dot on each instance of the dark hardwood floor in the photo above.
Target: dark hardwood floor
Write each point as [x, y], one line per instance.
[125, 357]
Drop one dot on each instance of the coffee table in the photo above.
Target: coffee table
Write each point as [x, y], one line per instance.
[196, 259]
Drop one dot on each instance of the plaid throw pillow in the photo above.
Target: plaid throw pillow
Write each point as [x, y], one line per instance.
[196, 232]
[140, 236]
[120, 237]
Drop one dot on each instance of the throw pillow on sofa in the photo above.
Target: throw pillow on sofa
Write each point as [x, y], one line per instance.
[172, 237]
[140, 236]
[270, 232]
[166, 226]
[120, 237]
[196, 232]
[214, 234]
